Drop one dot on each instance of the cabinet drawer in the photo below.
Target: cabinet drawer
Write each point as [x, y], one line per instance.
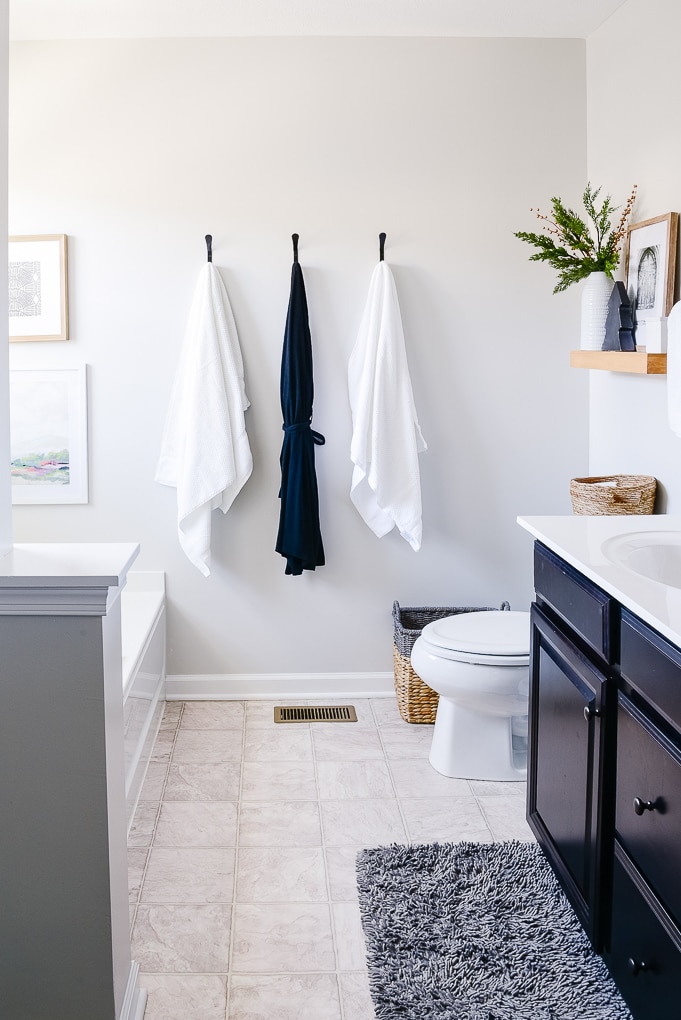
[645, 950]
[652, 665]
[648, 802]
[585, 608]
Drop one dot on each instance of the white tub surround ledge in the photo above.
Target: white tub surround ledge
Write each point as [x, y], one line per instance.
[64, 938]
[589, 544]
[143, 641]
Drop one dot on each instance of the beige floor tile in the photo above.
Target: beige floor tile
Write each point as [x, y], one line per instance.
[285, 780]
[163, 745]
[311, 796]
[280, 823]
[281, 874]
[203, 782]
[506, 817]
[350, 947]
[445, 819]
[352, 780]
[137, 862]
[185, 996]
[341, 871]
[292, 937]
[213, 715]
[142, 829]
[356, 997]
[361, 823]
[207, 747]
[172, 713]
[284, 997]
[195, 823]
[416, 777]
[283, 743]
[336, 742]
[407, 740]
[177, 938]
[189, 876]
[154, 781]
[385, 711]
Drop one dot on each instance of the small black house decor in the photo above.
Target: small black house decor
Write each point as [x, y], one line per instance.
[619, 324]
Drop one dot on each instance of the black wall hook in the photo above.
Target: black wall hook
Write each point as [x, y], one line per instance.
[294, 238]
[209, 246]
[381, 241]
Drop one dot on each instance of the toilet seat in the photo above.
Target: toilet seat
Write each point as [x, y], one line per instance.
[486, 638]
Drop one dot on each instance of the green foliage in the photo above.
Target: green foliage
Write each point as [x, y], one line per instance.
[577, 247]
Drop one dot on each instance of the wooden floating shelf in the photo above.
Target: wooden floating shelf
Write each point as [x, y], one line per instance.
[639, 362]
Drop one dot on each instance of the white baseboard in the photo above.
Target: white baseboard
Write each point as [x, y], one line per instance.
[277, 686]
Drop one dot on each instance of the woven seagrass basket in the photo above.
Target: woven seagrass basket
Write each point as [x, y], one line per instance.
[416, 701]
[613, 494]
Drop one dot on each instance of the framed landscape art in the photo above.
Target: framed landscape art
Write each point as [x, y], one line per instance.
[48, 435]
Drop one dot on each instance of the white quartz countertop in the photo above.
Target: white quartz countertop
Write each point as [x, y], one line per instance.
[580, 541]
[67, 564]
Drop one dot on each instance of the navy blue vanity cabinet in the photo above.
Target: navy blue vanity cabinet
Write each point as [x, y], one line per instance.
[604, 778]
[644, 952]
[571, 716]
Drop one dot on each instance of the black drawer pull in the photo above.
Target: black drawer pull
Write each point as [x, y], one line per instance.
[644, 805]
[590, 712]
[636, 967]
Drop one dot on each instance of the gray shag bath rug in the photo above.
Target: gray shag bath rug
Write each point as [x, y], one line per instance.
[476, 931]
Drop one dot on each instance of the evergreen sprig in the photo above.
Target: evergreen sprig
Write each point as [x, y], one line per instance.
[575, 247]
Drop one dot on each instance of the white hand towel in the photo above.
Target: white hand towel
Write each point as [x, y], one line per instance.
[205, 452]
[674, 369]
[386, 437]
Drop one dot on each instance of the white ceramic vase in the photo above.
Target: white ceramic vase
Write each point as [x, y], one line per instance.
[595, 297]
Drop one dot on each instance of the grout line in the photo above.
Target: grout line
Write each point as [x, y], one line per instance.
[157, 816]
[327, 879]
[237, 845]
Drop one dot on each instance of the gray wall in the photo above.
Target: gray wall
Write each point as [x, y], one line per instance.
[136, 149]
[633, 137]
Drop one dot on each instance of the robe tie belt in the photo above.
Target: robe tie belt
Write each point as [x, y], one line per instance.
[300, 426]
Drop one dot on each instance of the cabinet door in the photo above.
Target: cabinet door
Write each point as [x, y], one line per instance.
[568, 718]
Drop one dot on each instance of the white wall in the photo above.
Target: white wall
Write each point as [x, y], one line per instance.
[136, 149]
[633, 137]
[5, 502]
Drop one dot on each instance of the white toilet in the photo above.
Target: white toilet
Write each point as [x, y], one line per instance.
[479, 665]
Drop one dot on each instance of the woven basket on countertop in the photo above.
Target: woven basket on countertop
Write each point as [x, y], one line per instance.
[613, 494]
[416, 701]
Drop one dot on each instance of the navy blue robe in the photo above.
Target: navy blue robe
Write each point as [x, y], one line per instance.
[299, 538]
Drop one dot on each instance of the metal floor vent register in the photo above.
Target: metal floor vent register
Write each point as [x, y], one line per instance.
[314, 713]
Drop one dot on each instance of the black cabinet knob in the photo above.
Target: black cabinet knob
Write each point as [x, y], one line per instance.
[636, 966]
[643, 805]
[590, 712]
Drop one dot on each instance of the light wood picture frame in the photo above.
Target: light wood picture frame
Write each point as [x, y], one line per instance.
[38, 287]
[650, 263]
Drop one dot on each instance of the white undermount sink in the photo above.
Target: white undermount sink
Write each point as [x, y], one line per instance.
[652, 554]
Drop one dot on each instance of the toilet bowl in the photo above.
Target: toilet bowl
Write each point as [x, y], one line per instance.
[478, 663]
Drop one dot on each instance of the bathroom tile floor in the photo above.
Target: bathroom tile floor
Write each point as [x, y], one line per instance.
[241, 855]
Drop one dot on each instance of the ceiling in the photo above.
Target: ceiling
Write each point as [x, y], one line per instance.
[97, 19]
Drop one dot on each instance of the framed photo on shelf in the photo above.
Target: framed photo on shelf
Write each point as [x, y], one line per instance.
[650, 271]
[48, 435]
[38, 288]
